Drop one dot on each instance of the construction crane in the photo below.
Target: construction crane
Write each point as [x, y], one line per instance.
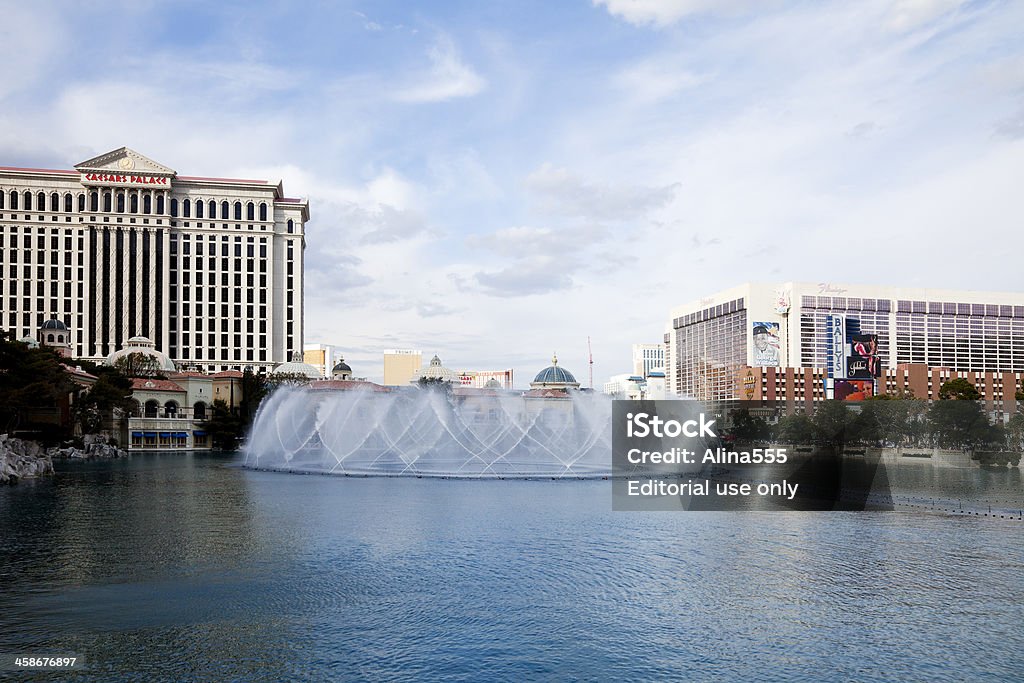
[590, 353]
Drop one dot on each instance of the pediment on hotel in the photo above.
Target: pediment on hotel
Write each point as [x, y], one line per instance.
[124, 160]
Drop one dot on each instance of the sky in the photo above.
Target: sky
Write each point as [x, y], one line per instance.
[495, 182]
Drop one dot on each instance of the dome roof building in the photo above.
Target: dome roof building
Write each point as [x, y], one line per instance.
[554, 377]
[436, 371]
[145, 346]
[30, 341]
[341, 370]
[296, 366]
[55, 334]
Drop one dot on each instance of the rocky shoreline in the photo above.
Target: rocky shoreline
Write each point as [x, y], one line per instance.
[23, 459]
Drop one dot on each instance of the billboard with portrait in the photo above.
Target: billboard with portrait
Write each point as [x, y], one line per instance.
[863, 362]
[766, 345]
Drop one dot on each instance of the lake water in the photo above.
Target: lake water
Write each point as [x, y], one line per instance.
[187, 567]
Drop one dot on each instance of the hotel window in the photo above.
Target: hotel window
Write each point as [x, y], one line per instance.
[174, 207]
[147, 204]
[28, 200]
[54, 202]
[160, 204]
[238, 211]
[14, 200]
[120, 202]
[199, 209]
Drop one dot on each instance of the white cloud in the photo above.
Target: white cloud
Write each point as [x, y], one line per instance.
[562, 192]
[447, 77]
[661, 13]
[650, 81]
[905, 15]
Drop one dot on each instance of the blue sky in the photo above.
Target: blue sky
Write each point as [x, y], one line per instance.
[497, 181]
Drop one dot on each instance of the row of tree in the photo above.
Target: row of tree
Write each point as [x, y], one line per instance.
[958, 420]
[35, 385]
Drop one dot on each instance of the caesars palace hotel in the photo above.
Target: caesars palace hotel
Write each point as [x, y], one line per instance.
[209, 269]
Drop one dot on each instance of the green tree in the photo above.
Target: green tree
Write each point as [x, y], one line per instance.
[224, 427]
[111, 395]
[30, 379]
[748, 428]
[959, 389]
[138, 364]
[900, 417]
[254, 390]
[796, 429]
[958, 424]
[832, 421]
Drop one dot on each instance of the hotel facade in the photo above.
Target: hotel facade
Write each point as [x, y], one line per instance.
[770, 328]
[209, 269]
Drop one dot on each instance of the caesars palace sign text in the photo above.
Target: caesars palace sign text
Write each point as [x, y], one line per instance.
[125, 179]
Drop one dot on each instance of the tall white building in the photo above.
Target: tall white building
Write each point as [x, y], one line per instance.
[647, 357]
[786, 325]
[210, 269]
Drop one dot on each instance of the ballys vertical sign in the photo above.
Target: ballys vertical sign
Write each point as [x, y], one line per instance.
[837, 346]
[126, 179]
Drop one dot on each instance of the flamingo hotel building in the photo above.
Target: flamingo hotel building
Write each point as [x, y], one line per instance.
[775, 341]
[120, 246]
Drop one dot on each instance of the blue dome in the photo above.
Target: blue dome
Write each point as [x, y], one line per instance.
[554, 375]
[54, 324]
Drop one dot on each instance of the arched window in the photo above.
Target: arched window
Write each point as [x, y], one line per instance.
[81, 202]
[186, 208]
[171, 409]
[224, 210]
[152, 407]
[199, 208]
[238, 211]
[41, 202]
[160, 204]
[68, 203]
[106, 201]
[134, 201]
[3, 195]
[28, 200]
[147, 203]
[291, 226]
[120, 202]
[60, 338]
[49, 338]
[54, 202]
[250, 212]
[263, 211]
[14, 200]
[213, 209]
[199, 411]
[174, 206]
[94, 201]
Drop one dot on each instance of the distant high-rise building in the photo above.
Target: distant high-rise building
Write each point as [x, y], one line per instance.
[210, 269]
[321, 356]
[647, 357]
[401, 366]
[483, 378]
[822, 326]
